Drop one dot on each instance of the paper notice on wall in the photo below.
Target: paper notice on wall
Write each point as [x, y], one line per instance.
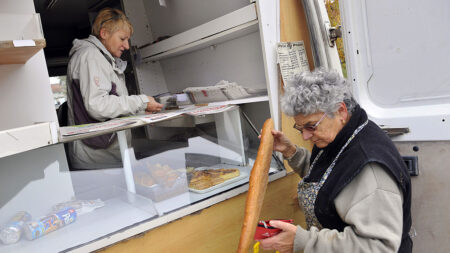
[292, 59]
[24, 43]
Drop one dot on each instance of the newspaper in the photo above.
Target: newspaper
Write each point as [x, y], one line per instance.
[221, 91]
[155, 117]
[212, 109]
[146, 118]
[94, 127]
[292, 59]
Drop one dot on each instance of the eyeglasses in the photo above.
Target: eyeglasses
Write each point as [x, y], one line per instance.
[309, 128]
[114, 16]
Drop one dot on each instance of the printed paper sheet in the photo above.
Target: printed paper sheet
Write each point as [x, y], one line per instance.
[291, 59]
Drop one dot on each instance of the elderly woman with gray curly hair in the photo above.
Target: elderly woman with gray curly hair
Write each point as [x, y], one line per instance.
[355, 189]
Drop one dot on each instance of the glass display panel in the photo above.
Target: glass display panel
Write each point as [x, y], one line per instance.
[50, 207]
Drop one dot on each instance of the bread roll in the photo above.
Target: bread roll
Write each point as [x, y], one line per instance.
[257, 187]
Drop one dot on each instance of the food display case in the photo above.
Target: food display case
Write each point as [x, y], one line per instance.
[182, 177]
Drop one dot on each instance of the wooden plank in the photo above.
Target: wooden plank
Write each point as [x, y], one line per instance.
[18, 55]
[294, 28]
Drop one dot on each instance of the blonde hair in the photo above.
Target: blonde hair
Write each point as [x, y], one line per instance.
[112, 20]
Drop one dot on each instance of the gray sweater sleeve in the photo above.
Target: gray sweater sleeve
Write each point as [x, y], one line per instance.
[299, 162]
[372, 206]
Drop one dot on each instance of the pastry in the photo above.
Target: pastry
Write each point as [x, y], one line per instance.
[203, 179]
[228, 173]
[171, 177]
[164, 175]
[143, 179]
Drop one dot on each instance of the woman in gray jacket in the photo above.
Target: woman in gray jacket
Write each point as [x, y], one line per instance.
[355, 190]
[96, 89]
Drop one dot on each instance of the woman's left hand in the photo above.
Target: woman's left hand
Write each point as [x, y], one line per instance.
[284, 241]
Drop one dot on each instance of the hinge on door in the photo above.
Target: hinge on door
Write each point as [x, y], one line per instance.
[333, 33]
[412, 165]
[135, 53]
[395, 131]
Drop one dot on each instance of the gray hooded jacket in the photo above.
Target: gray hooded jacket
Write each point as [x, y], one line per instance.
[96, 92]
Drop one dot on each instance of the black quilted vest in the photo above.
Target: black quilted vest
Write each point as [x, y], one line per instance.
[370, 145]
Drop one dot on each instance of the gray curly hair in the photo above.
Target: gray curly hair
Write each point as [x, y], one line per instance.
[318, 91]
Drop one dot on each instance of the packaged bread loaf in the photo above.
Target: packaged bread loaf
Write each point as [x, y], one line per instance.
[257, 187]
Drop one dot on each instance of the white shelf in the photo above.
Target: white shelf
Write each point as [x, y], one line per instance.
[10, 54]
[17, 140]
[233, 25]
[64, 139]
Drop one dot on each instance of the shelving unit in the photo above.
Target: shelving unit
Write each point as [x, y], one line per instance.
[12, 54]
[211, 41]
[24, 138]
[233, 25]
[21, 39]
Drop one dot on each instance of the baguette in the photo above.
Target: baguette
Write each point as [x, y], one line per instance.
[257, 187]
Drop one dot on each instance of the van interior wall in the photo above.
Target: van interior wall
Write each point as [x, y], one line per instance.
[430, 194]
[233, 61]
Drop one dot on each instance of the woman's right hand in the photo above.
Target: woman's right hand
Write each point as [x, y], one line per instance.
[282, 144]
[284, 241]
[153, 106]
